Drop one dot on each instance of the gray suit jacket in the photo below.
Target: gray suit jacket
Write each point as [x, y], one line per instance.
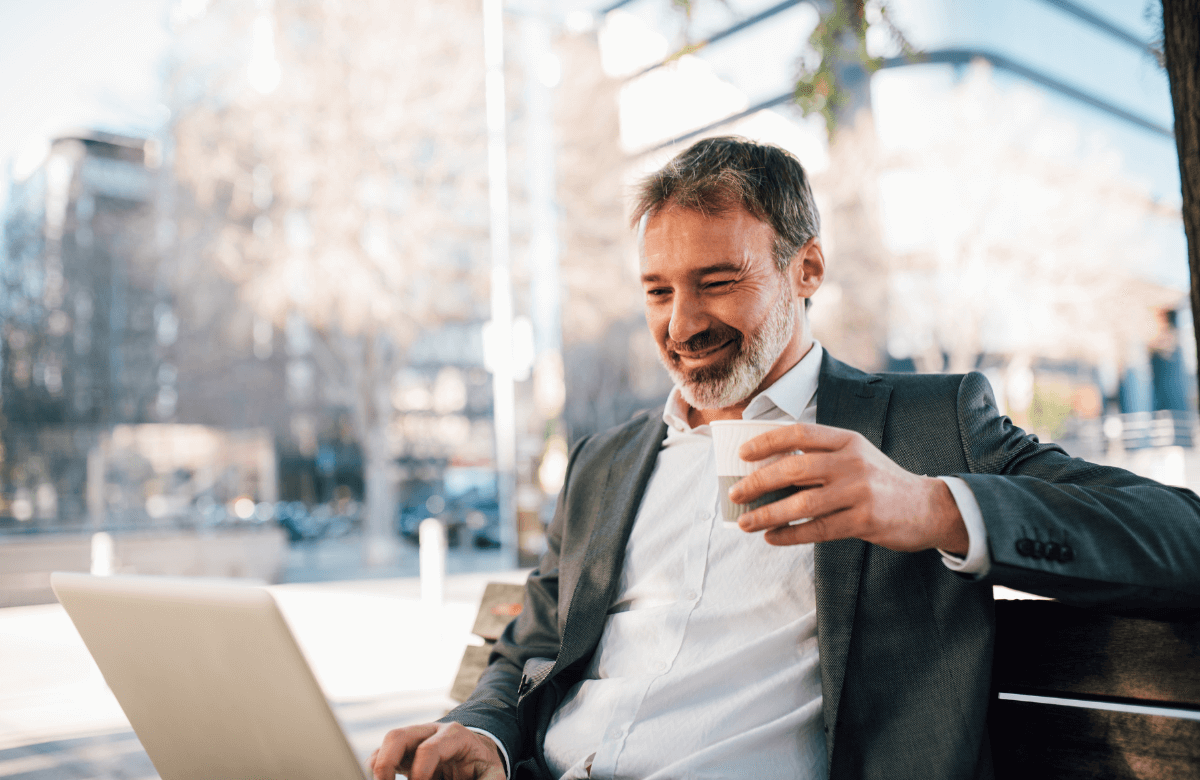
[905, 644]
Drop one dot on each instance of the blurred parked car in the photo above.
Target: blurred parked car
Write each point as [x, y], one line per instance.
[324, 521]
[466, 502]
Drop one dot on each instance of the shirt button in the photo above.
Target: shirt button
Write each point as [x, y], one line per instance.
[691, 595]
[662, 667]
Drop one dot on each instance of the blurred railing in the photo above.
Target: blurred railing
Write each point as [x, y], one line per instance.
[257, 551]
[1166, 428]
[1127, 434]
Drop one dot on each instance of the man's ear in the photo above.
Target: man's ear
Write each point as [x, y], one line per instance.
[807, 269]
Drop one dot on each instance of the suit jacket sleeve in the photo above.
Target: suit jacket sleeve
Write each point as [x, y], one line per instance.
[526, 650]
[1133, 543]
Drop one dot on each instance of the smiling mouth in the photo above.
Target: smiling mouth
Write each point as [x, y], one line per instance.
[701, 354]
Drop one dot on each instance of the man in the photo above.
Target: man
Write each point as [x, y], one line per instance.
[656, 643]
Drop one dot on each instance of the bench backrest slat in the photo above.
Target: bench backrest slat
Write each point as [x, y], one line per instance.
[1083, 694]
[500, 604]
[1044, 646]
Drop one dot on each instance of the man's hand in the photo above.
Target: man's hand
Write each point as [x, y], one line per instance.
[850, 489]
[437, 751]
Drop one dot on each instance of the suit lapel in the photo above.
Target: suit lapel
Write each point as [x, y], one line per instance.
[846, 398]
[616, 509]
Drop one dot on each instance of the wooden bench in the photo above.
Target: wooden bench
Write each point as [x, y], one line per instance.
[501, 603]
[1083, 694]
[1076, 693]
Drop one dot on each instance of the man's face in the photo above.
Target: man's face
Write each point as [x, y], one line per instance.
[720, 311]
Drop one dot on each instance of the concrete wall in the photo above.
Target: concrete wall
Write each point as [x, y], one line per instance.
[26, 561]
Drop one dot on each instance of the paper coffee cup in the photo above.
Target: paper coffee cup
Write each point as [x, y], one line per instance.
[727, 436]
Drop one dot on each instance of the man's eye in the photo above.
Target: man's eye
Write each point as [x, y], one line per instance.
[657, 291]
[719, 284]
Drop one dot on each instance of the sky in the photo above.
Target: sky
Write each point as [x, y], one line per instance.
[73, 63]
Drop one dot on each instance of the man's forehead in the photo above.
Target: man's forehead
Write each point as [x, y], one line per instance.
[676, 234]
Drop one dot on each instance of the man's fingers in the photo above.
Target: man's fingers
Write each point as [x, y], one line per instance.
[818, 529]
[428, 755]
[807, 503]
[793, 471]
[398, 743]
[801, 436]
[455, 752]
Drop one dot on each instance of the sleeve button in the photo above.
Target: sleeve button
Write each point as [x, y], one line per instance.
[1039, 549]
[1053, 550]
[1024, 547]
[1066, 554]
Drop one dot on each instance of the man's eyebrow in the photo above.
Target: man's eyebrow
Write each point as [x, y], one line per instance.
[728, 267]
[720, 268]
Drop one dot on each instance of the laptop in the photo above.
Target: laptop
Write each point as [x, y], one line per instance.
[210, 677]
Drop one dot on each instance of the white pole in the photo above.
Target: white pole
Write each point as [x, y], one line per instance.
[542, 74]
[102, 554]
[504, 413]
[96, 485]
[431, 536]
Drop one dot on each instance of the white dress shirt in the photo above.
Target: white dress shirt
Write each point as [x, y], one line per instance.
[708, 662]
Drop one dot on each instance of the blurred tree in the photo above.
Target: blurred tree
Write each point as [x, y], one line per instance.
[331, 164]
[1181, 55]
[837, 83]
[611, 362]
[1018, 241]
[833, 77]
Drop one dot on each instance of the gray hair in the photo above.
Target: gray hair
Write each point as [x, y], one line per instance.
[715, 175]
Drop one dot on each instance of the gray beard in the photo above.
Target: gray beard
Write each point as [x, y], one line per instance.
[746, 370]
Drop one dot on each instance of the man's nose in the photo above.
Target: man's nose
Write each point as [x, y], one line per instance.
[687, 318]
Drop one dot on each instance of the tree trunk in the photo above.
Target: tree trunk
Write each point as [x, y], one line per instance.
[379, 487]
[366, 357]
[1181, 47]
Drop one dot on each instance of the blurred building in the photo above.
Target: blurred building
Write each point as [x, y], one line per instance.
[92, 356]
[94, 345]
[81, 314]
[80, 289]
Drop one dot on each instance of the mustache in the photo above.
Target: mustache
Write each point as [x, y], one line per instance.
[705, 339]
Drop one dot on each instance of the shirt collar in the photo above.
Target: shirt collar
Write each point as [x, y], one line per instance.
[787, 397]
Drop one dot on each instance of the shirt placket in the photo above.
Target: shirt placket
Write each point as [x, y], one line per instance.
[702, 509]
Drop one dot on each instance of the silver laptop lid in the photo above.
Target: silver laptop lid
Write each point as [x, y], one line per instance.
[210, 677]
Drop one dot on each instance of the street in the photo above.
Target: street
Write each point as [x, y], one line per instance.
[383, 658]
